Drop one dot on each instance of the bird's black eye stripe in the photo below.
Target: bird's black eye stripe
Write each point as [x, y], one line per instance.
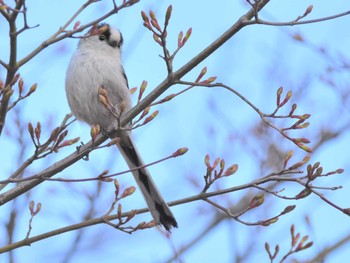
[121, 40]
[105, 35]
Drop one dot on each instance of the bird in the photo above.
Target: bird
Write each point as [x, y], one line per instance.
[96, 64]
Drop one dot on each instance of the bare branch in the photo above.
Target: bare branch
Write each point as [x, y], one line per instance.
[14, 65]
[12, 178]
[69, 160]
[296, 21]
[34, 157]
[2, 63]
[25, 22]
[177, 75]
[262, 115]
[62, 33]
[201, 196]
[100, 220]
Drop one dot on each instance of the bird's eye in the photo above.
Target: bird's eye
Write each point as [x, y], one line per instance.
[102, 37]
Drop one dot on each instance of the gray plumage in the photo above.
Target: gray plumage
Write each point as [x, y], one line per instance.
[97, 63]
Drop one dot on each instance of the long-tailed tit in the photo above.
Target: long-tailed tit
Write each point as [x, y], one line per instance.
[97, 63]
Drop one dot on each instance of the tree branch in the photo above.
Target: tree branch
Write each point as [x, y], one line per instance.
[58, 36]
[50, 171]
[273, 177]
[177, 75]
[14, 65]
[296, 22]
[2, 63]
[99, 220]
[161, 88]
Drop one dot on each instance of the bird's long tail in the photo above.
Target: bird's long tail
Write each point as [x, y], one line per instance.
[159, 209]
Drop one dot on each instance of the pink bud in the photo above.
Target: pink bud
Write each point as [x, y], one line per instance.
[180, 151]
[308, 10]
[76, 25]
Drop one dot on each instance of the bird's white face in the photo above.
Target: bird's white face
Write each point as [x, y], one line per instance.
[103, 36]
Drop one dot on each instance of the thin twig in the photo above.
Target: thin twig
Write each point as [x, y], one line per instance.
[178, 74]
[31, 159]
[201, 196]
[262, 115]
[160, 89]
[2, 63]
[62, 33]
[100, 220]
[13, 179]
[294, 22]
[25, 22]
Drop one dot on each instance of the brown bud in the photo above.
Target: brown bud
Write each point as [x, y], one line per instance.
[298, 164]
[269, 221]
[288, 209]
[117, 187]
[294, 107]
[103, 100]
[304, 147]
[38, 208]
[168, 14]
[267, 247]
[54, 134]
[216, 162]
[305, 116]
[180, 151]
[142, 89]
[122, 106]
[157, 39]
[256, 201]
[144, 17]
[15, 79]
[167, 98]
[132, 90]
[279, 93]
[128, 191]
[32, 89]
[304, 193]
[209, 80]
[20, 86]
[132, 213]
[69, 142]
[201, 74]
[31, 206]
[155, 24]
[31, 130]
[287, 158]
[298, 37]
[339, 171]
[37, 130]
[76, 25]
[179, 39]
[207, 160]
[151, 117]
[95, 130]
[152, 15]
[231, 170]
[187, 36]
[308, 10]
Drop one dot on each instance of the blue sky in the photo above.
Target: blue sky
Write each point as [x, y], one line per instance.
[255, 62]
